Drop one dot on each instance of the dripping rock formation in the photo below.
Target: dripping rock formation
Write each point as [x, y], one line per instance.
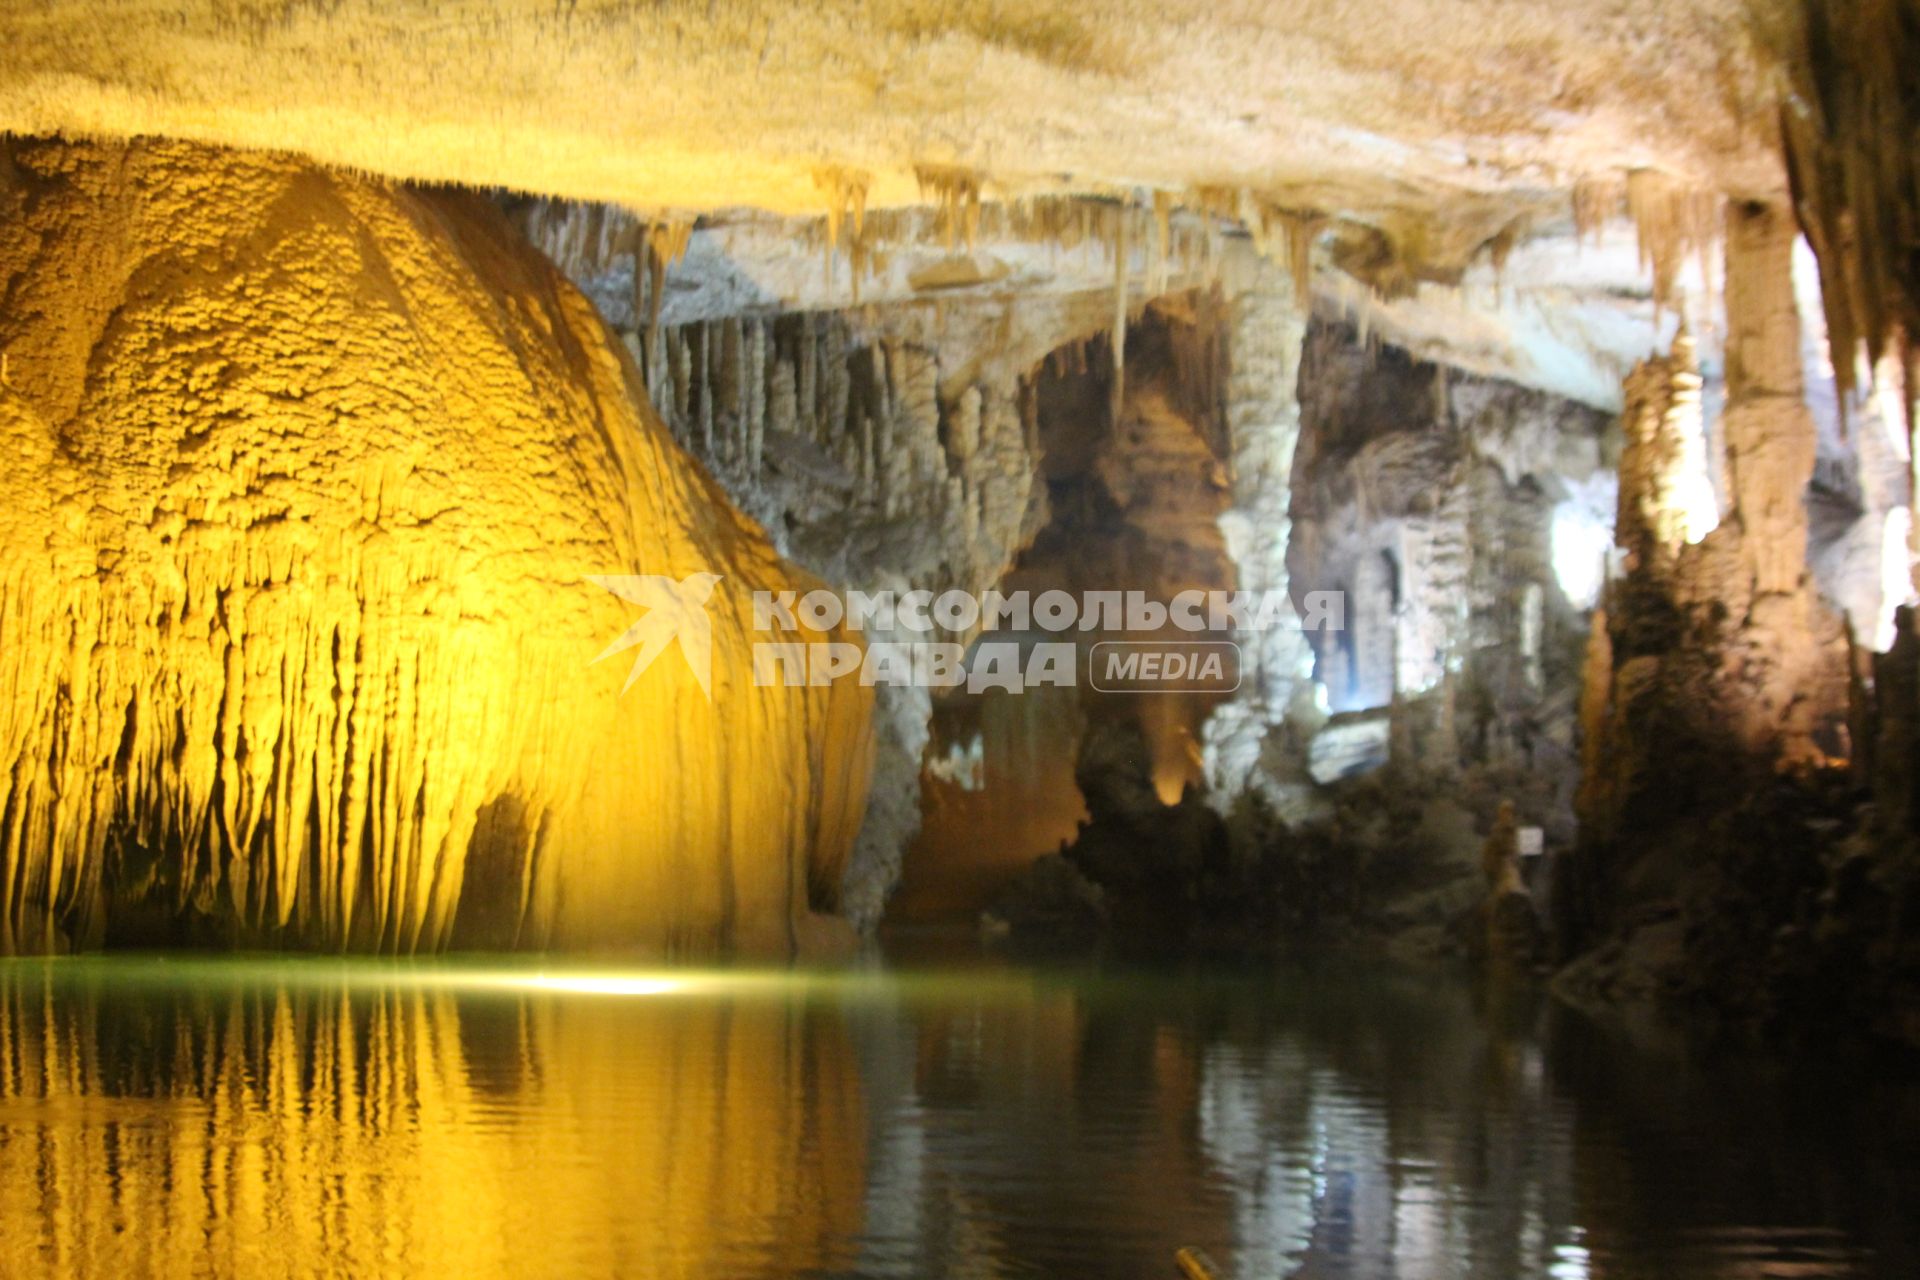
[309, 475]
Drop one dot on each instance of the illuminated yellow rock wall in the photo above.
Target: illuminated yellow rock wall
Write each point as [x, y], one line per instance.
[306, 476]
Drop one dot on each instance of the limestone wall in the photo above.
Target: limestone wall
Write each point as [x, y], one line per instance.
[308, 476]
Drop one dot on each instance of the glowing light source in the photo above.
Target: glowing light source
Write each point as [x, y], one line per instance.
[1896, 573]
[1571, 1262]
[1581, 546]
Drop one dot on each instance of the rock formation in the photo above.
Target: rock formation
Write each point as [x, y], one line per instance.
[1464, 520]
[1265, 330]
[1478, 316]
[1726, 863]
[863, 466]
[896, 444]
[309, 477]
[1435, 124]
[1722, 657]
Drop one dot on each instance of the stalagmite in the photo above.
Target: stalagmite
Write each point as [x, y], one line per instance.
[1594, 802]
[308, 478]
[1666, 497]
[1755, 663]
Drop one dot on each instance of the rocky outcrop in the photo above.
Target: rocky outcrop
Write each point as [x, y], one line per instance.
[1726, 864]
[309, 476]
[1722, 659]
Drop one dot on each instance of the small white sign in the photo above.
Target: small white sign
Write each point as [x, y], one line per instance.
[1532, 842]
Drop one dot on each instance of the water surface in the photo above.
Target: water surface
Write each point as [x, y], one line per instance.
[265, 1117]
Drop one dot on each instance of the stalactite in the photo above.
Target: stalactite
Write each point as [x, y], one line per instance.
[839, 384]
[756, 406]
[847, 223]
[806, 374]
[1162, 243]
[1499, 249]
[1673, 221]
[706, 389]
[585, 239]
[1850, 130]
[579, 237]
[685, 422]
[728, 383]
[957, 191]
[661, 244]
[1596, 202]
[846, 191]
[1286, 236]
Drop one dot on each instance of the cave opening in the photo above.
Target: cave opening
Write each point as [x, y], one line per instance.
[1133, 503]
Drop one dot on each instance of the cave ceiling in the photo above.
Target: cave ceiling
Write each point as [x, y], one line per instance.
[1442, 122]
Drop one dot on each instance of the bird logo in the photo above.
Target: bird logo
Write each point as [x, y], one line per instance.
[675, 610]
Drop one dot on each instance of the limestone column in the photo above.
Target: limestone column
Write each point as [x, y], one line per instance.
[1267, 327]
[1784, 683]
[1768, 429]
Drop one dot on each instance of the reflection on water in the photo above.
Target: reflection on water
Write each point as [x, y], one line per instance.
[312, 1115]
[271, 1117]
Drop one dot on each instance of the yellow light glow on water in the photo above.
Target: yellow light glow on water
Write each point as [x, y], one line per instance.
[586, 984]
[589, 981]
